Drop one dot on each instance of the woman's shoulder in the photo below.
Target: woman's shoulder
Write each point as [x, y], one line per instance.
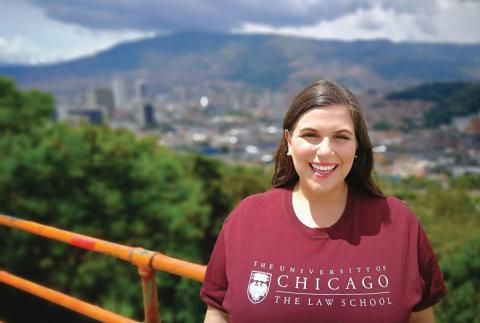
[272, 195]
[252, 204]
[394, 208]
[400, 207]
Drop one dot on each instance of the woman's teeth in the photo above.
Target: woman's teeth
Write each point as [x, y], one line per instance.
[319, 168]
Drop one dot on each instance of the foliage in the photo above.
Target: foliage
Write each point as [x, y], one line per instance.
[223, 187]
[20, 111]
[462, 272]
[103, 183]
[382, 126]
[435, 92]
[468, 182]
[451, 99]
[462, 102]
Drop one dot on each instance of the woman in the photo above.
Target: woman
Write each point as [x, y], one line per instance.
[324, 245]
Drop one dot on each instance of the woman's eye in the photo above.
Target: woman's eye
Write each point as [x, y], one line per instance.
[342, 137]
[309, 135]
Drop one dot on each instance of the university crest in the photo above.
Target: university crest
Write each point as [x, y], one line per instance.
[258, 286]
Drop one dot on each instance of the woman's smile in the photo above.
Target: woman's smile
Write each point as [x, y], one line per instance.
[323, 170]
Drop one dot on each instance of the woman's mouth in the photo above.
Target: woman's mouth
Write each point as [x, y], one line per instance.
[323, 170]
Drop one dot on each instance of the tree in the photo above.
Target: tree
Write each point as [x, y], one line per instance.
[462, 272]
[108, 184]
[21, 111]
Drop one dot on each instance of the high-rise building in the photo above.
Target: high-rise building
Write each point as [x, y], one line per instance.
[149, 114]
[144, 114]
[101, 98]
[141, 89]
[78, 113]
[119, 89]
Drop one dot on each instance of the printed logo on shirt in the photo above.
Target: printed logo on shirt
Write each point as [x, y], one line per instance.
[258, 286]
[355, 287]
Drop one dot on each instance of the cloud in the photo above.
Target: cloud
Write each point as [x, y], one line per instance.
[372, 23]
[39, 39]
[451, 21]
[213, 14]
[16, 49]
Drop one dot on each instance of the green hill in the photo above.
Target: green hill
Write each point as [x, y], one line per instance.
[259, 61]
[451, 99]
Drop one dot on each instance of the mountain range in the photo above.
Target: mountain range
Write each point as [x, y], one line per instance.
[257, 62]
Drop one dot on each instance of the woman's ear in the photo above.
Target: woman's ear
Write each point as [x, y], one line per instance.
[288, 139]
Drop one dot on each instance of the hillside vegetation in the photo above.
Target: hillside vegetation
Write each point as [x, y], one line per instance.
[451, 99]
[189, 59]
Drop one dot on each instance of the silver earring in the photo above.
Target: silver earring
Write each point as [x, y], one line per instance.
[356, 156]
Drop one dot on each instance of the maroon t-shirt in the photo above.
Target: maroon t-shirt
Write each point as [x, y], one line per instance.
[374, 265]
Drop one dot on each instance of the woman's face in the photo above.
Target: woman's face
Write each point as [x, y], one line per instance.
[322, 146]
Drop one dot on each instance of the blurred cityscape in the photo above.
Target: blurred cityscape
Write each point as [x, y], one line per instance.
[237, 124]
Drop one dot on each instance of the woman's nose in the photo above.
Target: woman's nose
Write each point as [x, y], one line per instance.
[324, 147]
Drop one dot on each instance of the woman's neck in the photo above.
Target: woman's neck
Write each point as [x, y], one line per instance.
[319, 210]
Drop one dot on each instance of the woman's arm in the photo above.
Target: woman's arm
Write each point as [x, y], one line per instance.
[215, 316]
[424, 316]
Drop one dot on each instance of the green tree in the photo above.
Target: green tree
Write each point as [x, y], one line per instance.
[462, 272]
[20, 111]
[115, 186]
[224, 186]
[104, 183]
[450, 99]
[382, 126]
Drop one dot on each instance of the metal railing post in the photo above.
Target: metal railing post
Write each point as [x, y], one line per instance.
[149, 289]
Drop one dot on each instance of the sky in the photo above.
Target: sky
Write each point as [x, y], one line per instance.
[45, 31]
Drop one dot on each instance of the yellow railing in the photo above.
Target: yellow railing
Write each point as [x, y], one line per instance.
[147, 262]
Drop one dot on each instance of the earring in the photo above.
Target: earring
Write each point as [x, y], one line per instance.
[356, 156]
[288, 153]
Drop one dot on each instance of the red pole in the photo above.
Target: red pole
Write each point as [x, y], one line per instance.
[149, 288]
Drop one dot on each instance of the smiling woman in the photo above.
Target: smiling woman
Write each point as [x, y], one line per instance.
[323, 244]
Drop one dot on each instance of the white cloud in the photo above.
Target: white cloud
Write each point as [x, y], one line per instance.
[449, 22]
[458, 21]
[17, 49]
[38, 39]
